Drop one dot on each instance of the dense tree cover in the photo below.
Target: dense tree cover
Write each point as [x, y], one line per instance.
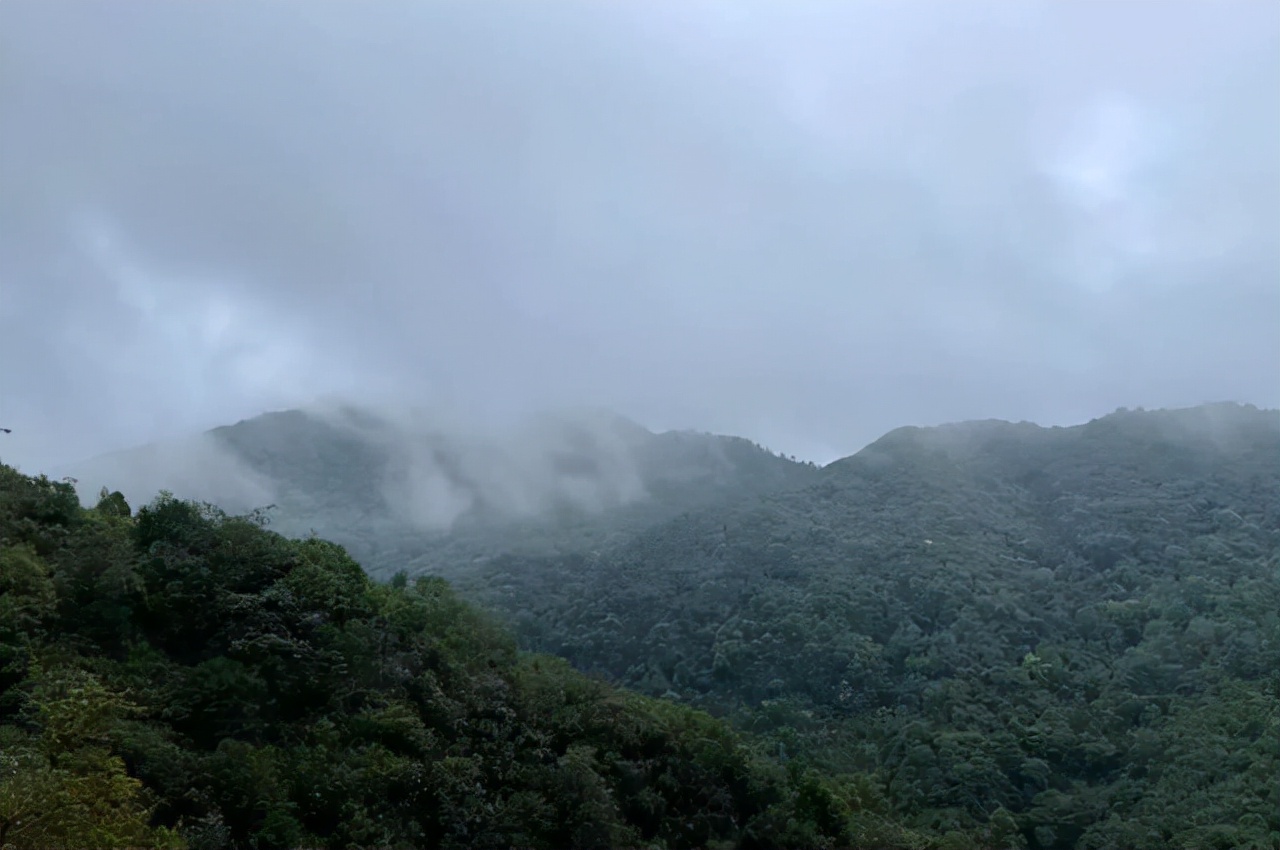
[578, 483]
[181, 677]
[984, 635]
[680, 471]
[1057, 638]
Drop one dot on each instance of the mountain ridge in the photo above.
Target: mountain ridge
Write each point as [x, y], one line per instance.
[989, 615]
[379, 482]
[403, 489]
[1066, 636]
[921, 497]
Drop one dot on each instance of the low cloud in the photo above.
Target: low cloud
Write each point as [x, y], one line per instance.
[441, 467]
[804, 225]
[196, 468]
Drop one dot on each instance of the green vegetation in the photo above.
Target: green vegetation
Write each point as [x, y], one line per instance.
[186, 678]
[399, 494]
[984, 635]
[1069, 636]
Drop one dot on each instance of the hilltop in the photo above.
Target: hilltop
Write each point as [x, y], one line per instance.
[1066, 624]
[994, 634]
[404, 487]
[180, 678]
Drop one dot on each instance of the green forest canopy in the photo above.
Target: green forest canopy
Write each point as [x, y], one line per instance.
[1079, 627]
[185, 678]
[986, 635]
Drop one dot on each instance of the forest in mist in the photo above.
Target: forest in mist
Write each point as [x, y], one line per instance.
[981, 635]
[640, 426]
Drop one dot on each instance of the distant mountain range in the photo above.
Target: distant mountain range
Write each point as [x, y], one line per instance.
[395, 488]
[404, 491]
[1048, 638]
[1071, 629]
[891, 542]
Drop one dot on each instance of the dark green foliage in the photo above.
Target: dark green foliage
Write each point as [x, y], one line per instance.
[577, 483]
[183, 676]
[980, 636]
[113, 504]
[1076, 628]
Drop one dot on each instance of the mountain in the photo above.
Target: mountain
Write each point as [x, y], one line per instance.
[987, 634]
[178, 678]
[1069, 625]
[916, 520]
[405, 489]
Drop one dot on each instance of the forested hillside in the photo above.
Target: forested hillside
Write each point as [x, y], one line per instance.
[181, 678]
[984, 635]
[404, 490]
[1074, 628]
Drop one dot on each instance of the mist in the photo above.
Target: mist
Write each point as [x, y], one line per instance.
[802, 224]
[415, 469]
[196, 467]
[440, 468]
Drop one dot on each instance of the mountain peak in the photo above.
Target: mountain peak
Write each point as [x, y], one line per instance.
[363, 474]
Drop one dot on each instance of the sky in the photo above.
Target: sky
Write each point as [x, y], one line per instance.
[804, 223]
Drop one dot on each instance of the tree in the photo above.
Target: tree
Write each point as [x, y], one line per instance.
[62, 787]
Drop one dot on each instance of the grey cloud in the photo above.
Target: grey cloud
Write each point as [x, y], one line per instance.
[194, 467]
[442, 468]
[409, 468]
[806, 223]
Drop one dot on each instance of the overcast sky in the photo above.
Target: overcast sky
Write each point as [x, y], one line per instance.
[805, 223]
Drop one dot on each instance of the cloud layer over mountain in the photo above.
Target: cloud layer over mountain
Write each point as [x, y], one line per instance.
[804, 224]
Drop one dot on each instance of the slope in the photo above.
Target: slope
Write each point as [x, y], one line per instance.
[181, 677]
[988, 615]
[402, 488]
